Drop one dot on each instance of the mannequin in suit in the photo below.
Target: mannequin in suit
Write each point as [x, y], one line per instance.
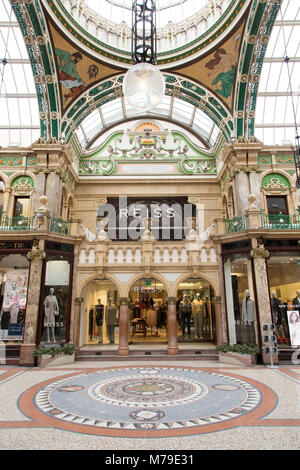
[198, 314]
[99, 318]
[185, 309]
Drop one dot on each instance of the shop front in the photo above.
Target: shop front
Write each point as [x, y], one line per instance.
[283, 266]
[14, 275]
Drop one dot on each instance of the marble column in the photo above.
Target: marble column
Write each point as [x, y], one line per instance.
[259, 255]
[123, 349]
[218, 320]
[76, 334]
[36, 256]
[242, 192]
[223, 338]
[54, 194]
[172, 327]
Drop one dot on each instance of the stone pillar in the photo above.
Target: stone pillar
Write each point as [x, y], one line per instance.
[123, 349]
[223, 333]
[36, 256]
[172, 327]
[259, 255]
[219, 326]
[76, 334]
[54, 193]
[242, 191]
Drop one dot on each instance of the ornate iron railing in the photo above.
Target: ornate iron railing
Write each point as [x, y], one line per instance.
[236, 224]
[280, 221]
[16, 224]
[59, 225]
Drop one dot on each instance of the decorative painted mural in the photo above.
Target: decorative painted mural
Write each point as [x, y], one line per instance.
[143, 153]
[77, 71]
[217, 70]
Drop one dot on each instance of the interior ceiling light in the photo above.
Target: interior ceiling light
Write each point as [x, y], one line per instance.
[144, 84]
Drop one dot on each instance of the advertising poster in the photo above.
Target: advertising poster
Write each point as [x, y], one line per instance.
[14, 302]
[293, 318]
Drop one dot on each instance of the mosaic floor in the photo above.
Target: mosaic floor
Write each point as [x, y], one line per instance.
[149, 402]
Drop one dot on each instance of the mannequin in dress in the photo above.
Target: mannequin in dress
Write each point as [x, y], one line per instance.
[99, 319]
[151, 319]
[248, 316]
[198, 314]
[111, 312]
[185, 308]
[51, 311]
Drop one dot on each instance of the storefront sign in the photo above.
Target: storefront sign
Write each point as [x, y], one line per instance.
[15, 245]
[15, 329]
[293, 318]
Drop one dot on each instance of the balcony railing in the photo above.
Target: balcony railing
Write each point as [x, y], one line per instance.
[16, 224]
[26, 224]
[59, 225]
[237, 224]
[280, 221]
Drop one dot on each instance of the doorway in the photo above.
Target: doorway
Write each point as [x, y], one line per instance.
[148, 312]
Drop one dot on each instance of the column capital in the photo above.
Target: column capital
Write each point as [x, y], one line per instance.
[124, 300]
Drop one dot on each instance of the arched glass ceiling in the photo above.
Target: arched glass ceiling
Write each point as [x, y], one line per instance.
[274, 119]
[19, 116]
[167, 10]
[170, 108]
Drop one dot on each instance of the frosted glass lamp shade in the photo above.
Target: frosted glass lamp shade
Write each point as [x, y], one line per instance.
[144, 86]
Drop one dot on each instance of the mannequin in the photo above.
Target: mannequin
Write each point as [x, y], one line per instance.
[5, 318]
[198, 314]
[111, 312]
[151, 319]
[277, 313]
[248, 308]
[51, 311]
[185, 308]
[91, 323]
[248, 315]
[296, 301]
[206, 318]
[99, 319]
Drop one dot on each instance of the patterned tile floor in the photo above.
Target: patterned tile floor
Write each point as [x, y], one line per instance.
[134, 405]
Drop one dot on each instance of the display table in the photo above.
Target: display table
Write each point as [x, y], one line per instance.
[138, 326]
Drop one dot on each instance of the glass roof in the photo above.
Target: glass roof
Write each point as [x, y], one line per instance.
[173, 109]
[19, 117]
[167, 10]
[275, 116]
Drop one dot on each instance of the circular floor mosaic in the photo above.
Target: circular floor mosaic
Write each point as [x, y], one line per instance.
[152, 399]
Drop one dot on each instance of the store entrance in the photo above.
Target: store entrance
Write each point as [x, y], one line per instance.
[148, 312]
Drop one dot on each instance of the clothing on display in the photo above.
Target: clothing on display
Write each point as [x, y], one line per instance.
[198, 315]
[99, 308]
[185, 309]
[5, 319]
[276, 309]
[111, 314]
[51, 309]
[248, 308]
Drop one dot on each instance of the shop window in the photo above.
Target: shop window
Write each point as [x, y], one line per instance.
[100, 323]
[240, 300]
[21, 206]
[13, 296]
[56, 299]
[284, 285]
[277, 205]
[196, 311]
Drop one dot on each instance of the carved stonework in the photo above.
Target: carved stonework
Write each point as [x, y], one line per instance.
[260, 252]
[36, 254]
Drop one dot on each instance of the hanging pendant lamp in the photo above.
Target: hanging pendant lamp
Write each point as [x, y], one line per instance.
[144, 84]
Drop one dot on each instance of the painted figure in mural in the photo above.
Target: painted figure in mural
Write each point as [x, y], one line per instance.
[68, 74]
[223, 69]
